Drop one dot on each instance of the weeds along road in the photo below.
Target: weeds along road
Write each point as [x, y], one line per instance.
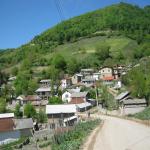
[120, 134]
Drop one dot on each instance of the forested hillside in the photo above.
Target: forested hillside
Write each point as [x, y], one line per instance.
[121, 21]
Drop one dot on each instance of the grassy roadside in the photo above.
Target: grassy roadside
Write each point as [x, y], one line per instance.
[72, 139]
[144, 115]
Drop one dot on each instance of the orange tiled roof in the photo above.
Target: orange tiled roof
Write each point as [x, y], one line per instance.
[108, 78]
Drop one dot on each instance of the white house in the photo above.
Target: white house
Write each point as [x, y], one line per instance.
[66, 83]
[66, 96]
[76, 78]
[106, 72]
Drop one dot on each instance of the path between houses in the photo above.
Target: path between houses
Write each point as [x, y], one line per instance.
[120, 134]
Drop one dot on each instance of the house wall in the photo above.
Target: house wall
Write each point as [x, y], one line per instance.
[26, 132]
[76, 79]
[56, 120]
[106, 72]
[44, 95]
[77, 100]
[66, 97]
[10, 136]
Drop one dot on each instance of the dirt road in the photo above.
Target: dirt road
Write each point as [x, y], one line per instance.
[119, 134]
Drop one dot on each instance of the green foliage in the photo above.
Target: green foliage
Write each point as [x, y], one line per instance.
[41, 117]
[2, 105]
[59, 62]
[53, 73]
[107, 99]
[18, 113]
[92, 94]
[144, 115]
[24, 84]
[138, 80]
[46, 144]
[73, 139]
[55, 100]
[102, 52]
[14, 71]
[72, 66]
[12, 145]
[119, 19]
[29, 111]
[3, 78]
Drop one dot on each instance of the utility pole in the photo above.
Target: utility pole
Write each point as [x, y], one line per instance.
[96, 95]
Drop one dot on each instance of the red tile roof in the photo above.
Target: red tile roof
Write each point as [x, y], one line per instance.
[76, 101]
[108, 78]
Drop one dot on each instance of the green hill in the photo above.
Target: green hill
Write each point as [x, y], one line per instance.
[124, 28]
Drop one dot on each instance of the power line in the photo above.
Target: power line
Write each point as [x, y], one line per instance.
[59, 9]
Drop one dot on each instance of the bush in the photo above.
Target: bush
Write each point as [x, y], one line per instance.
[144, 115]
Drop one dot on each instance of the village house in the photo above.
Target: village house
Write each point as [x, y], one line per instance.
[44, 92]
[133, 105]
[83, 106]
[78, 97]
[122, 96]
[33, 99]
[96, 76]
[65, 83]
[130, 103]
[66, 96]
[76, 78]
[105, 73]
[122, 70]
[24, 126]
[12, 129]
[88, 82]
[45, 83]
[87, 72]
[7, 132]
[61, 115]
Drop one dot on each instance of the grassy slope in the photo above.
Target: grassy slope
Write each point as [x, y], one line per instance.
[88, 45]
[144, 115]
[84, 47]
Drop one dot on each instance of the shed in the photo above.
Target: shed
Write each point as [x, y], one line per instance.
[122, 96]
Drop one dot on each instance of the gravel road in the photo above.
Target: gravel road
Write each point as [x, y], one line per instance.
[119, 134]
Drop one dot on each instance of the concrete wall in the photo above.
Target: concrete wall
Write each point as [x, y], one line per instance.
[10, 136]
[26, 132]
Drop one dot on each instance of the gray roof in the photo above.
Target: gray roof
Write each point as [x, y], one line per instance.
[88, 79]
[83, 105]
[134, 101]
[23, 123]
[58, 109]
[88, 70]
[79, 94]
[45, 80]
[122, 95]
[73, 90]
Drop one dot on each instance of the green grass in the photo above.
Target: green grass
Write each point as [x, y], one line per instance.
[84, 47]
[73, 139]
[11, 145]
[144, 115]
